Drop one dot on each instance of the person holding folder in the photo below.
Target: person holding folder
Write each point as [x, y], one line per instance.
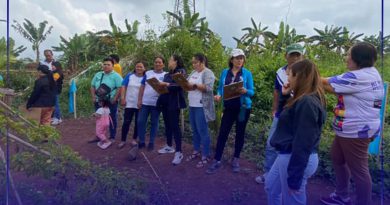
[202, 109]
[236, 110]
[170, 104]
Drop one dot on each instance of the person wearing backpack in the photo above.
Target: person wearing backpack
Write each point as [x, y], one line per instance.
[106, 85]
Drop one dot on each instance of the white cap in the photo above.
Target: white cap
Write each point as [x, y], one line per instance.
[237, 52]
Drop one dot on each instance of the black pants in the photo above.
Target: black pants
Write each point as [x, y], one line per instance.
[127, 117]
[172, 128]
[231, 115]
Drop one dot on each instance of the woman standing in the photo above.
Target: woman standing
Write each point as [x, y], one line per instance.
[44, 94]
[202, 109]
[356, 122]
[297, 136]
[171, 103]
[129, 98]
[147, 99]
[236, 110]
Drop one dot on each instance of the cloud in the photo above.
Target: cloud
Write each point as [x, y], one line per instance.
[225, 17]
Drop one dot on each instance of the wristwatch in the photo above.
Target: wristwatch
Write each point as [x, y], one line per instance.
[194, 86]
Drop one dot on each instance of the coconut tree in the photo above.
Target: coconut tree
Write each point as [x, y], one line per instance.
[36, 35]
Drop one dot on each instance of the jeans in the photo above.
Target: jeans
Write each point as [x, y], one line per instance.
[127, 117]
[172, 129]
[231, 115]
[57, 111]
[200, 131]
[113, 114]
[270, 152]
[276, 185]
[142, 120]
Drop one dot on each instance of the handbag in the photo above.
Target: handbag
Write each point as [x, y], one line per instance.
[103, 90]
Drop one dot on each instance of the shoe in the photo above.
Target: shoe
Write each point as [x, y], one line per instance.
[56, 121]
[112, 140]
[150, 147]
[121, 145]
[213, 168]
[166, 149]
[105, 145]
[261, 178]
[333, 199]
[141, 145]
[177, 159]
[236, 165]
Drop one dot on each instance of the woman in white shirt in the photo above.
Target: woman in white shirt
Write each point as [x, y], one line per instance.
[129, 98]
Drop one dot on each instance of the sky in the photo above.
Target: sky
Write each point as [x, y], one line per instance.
[225, 17]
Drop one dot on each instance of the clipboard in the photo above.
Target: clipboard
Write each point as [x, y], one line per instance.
[154, 83]
[32, 114]
[232, 90]
[182, 81]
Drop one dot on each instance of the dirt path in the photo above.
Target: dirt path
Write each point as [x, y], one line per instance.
[184, 184]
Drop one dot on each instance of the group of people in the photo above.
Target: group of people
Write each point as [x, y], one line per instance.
[299, 114]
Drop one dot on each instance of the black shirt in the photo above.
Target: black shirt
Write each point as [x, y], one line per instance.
[298, 133]
[235, 102]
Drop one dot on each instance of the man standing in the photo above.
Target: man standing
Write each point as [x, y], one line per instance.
[56, 68]
[294, 53]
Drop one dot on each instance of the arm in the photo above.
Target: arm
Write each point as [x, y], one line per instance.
[123, 95]
[275, 102]
[93, 89]
[250, 89]
[140, 95]
[173, 86]
[306, 137]
[326, 85]
[208, 83]
[35, 94]
[220, 87]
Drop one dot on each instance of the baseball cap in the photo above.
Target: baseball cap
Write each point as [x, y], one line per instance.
[237, 52]
[294, 48]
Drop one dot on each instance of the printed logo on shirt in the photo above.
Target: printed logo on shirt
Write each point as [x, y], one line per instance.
[339, 113]
[377, 85]
[378, 104]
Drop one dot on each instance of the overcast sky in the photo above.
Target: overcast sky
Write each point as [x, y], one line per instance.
[225, 17]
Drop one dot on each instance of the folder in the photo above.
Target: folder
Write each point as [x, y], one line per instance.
[154, 83]
[232, 90]
[182, 81]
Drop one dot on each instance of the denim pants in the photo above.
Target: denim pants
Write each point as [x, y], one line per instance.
[276, 185]
[200, 131]
[57, 111]
[143, 115]
[270, 152]
[113, 114]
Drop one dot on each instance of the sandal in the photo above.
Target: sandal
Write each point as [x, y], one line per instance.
[194, 155]
[203, 162]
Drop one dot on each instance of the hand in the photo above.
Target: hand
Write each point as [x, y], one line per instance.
[286, 89]
[93, 99]
[243, 91]
[139, 104]
[114, 101]
[217, 98]
[163, 84]
[293, 191]
[273, 113]
[123, 101]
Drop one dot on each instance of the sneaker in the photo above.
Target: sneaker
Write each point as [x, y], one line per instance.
[141, 145]
[105, 145]
[166, 149]
[261, 178]
[150, 147]
[112, 140]
[333, 199]
[121, 145]
[177, 159]
[213, 168]
[236, 165]
[56, 121]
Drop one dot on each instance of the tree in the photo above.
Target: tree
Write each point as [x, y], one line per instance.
[33, 34]
[285, 36]
[14, 52]
[375, 40]
[329, 37]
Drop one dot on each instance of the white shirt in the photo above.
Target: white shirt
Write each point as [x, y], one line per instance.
[360, 94]
[103, 111]
[195, 96]
[48, 64]
[150, 95]
[133, 90]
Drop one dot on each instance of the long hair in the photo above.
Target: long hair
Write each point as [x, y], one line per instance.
[307, 82]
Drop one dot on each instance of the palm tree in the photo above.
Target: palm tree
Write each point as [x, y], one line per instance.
[74, 50]
[329, 37]
[285, 37]
[33, 34]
